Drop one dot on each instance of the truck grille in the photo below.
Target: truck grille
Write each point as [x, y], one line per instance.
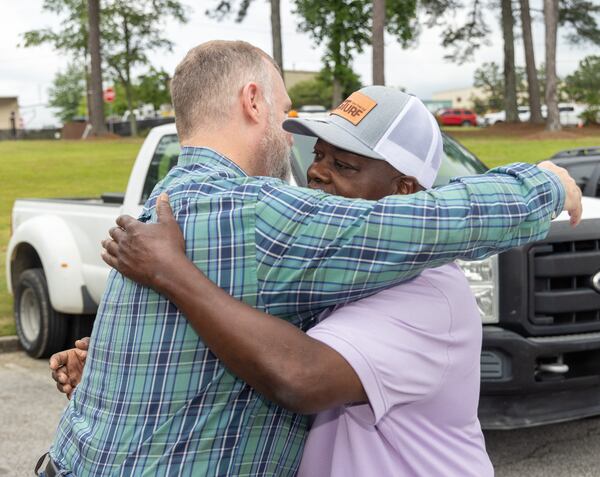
[564, 293]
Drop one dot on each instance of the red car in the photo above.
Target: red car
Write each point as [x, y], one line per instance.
[457, 117]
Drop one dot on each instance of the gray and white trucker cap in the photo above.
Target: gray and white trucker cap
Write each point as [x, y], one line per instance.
[382, 123]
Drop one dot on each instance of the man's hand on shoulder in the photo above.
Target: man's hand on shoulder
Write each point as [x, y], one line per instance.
[572, 191]
[148, 254]
[67, 366]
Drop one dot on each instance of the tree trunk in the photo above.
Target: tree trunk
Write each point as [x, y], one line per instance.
[276, 33]
[88, 88]
[96, 106]
[128, 91]
[132, 119]
[338, 92]
[377, 42]
[533, 85]
[551, 22]
[510, 77]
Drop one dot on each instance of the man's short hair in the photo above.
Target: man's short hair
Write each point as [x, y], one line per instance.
[209, 79]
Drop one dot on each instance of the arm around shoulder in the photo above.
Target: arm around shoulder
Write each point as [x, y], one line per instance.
[324, 248]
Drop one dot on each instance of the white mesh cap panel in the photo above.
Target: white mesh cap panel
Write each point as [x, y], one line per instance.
[412, 144]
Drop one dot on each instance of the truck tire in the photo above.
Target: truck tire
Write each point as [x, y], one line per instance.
[41, 330]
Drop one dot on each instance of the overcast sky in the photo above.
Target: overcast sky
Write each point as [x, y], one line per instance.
[28, 72]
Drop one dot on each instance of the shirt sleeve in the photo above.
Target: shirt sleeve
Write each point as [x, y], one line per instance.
[401, 354]
[315, 250]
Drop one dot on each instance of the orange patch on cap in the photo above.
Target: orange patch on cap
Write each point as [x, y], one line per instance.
[355, 108]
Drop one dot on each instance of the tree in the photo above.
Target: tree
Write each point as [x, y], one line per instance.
[149, 88]
[95, 94]
[378, 42]
[225, 7]
[72, 36]
[345, 29]
[581, 17]
[320, 89]
[489, 79]
[551, 24]
[67, 91]
[131, 30]
[276, 33]
[463, 39]
[583, 86]
[535, 105]
[153, 88]
[510, 78]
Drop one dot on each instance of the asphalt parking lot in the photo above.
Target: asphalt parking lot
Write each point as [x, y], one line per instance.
[31, 407]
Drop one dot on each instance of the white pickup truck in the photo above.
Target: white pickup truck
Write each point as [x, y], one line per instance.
[540, 303]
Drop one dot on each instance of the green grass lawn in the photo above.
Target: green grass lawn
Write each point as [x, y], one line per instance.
[88, 168]
[497, 151]
[56, 169]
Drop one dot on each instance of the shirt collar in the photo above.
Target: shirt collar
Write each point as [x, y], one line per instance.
[191, 155]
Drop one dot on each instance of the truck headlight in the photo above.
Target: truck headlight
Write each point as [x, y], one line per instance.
[483, 278]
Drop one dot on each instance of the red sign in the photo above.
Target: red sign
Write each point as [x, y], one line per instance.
[109, 95]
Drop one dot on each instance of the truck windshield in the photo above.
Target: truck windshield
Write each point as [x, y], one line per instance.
[164, 158]
[457, 162]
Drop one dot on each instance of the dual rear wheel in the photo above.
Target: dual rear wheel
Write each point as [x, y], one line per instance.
[42, 330]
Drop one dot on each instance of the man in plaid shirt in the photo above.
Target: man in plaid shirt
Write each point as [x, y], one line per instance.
[153, 399]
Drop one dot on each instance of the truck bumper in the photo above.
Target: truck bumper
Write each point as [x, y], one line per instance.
[538, 380]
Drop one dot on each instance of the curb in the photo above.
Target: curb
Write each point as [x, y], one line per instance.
[9, 344]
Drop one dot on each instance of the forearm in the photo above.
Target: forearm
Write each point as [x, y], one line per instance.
[379, 244]
[274, 357]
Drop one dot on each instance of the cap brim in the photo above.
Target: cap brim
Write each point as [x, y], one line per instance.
[330, 133]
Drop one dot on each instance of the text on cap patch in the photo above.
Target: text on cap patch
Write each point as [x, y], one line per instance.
[355, 108]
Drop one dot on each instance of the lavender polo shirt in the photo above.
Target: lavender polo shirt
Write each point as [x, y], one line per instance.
[417, 356]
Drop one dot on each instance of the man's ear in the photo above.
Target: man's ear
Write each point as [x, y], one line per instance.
[407, 185]
[250, 103]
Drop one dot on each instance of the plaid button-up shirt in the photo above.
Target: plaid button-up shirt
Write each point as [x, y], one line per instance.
[154, 401]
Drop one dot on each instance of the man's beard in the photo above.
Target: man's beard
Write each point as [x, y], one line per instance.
[275, 151]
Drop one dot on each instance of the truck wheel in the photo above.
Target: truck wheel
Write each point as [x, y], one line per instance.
[41, 330]
[466, 124]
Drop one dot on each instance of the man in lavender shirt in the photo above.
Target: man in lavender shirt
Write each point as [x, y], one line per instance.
[417, 358]
[412, 367]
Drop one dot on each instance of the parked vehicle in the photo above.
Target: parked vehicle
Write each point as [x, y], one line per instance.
[570, 115]
[584, 166]
[539, 303]
[500, 116]
[456, 117]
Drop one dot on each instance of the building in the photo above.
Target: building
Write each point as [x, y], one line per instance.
[459, 98]
[293, 77]
[10, 117]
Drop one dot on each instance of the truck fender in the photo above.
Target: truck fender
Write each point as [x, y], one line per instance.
[52, 241]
